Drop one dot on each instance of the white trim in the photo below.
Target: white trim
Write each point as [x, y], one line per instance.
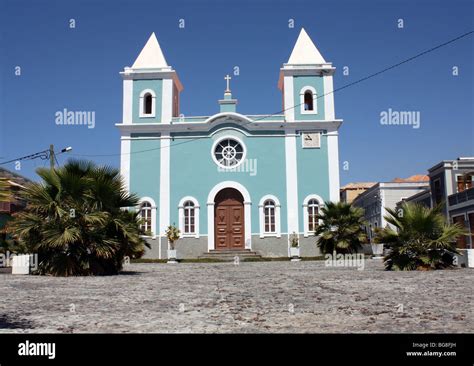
[224, 116]
[125, 146]
[149, 127]
[127, 102]
[288, 102]
[196, 216]
[164, 184]
[141, 112]
[329, 111]
[247, 212]
[333, 165]
[153, 212]
[261, 212]
[315, 100]
[230, 137]
[240, 130]
[291, 185]
[306, 232]
[167, 101]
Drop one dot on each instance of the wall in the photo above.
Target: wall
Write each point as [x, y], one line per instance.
[194, 173]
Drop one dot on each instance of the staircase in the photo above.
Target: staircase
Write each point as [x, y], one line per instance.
[229, 255]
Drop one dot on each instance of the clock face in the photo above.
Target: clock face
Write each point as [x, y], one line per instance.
[311, 139]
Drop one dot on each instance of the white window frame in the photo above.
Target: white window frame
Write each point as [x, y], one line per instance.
[315, 100]
[153, 213]
[244, 155]
[196, 217]
[142, 114]
[306, 232]
[261, 210]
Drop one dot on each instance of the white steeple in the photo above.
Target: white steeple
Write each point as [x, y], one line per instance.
[305, 52]
[151, 56]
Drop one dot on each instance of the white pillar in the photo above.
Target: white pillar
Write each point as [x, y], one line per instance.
[291, 183]
[125, 145]
[210, 226]
[333, 164]
[164, 203]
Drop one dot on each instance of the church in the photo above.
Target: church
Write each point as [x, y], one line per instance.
[232, 183]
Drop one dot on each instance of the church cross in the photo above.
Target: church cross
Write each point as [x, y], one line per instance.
[227, 78]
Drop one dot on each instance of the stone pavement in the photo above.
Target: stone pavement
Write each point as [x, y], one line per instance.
[250, 297]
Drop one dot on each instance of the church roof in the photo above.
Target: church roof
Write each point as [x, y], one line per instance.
[305, 52]
[151, 56]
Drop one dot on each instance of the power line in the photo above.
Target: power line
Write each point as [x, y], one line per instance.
[284, 110]
[43, 155]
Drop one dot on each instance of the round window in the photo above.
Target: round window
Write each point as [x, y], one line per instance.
[228, 152]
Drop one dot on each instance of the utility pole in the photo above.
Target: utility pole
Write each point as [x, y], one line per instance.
[51, 156]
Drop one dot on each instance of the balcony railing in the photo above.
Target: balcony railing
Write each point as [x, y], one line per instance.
[461, 197]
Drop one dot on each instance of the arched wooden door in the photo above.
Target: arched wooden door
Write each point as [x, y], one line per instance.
[229, 220]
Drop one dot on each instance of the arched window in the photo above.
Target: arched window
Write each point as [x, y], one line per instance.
[269, 213]
[145, 215]
[189, 218]
[308, 98]
[312, 205]
[188, 214]
[308, 101]
[313, 215]
[147, 105]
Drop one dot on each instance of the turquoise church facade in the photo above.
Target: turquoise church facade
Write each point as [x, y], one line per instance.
[230, 182]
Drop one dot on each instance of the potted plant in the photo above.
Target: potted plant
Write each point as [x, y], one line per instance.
[294, 247]
[172, 233]
[377, 245]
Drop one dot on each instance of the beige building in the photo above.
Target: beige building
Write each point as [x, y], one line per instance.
[350, 191]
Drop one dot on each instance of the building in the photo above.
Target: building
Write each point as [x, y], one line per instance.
[422, 198]
[351, 190]
[450, 184]
[230, 181]
[14, 203]
[381, 196]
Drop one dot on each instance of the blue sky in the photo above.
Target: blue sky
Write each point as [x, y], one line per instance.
[78, 69]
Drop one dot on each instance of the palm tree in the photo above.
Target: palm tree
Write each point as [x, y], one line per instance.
[76, 220]
[341, 229]
[421, 240]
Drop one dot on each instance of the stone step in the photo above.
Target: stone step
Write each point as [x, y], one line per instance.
[229, 255]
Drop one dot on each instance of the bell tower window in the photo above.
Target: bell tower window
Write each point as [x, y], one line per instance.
[308, 98]
[308, 101]
[147, 103]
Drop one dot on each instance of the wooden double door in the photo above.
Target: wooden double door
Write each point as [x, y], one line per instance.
[229, 220]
